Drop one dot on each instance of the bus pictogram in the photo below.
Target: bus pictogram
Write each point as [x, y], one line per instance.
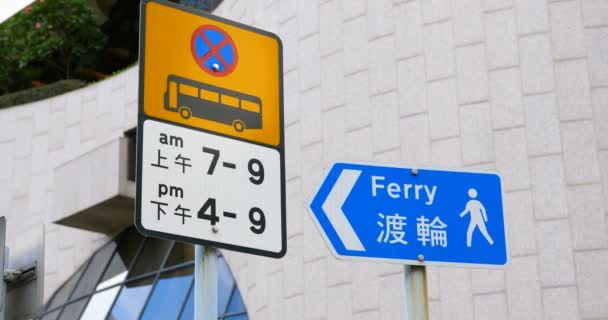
[191, 98]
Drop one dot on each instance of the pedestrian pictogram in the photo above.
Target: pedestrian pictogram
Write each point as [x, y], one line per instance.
[214, 50]
[479, 217]
[412, 216]
[210, 158]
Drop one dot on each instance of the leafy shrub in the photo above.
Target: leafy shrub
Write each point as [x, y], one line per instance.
[49, 39]
[39, 93]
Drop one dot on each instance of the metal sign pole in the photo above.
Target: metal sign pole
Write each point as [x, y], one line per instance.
[416, 301]
[3, 263]
[205, 283]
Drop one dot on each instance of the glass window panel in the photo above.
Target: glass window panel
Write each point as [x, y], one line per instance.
[236, 303]
[188, 312]
[239, 317]
[250, 106]
[131, 299]
[151, 257]
[100, 304]
[51, 316]
[73, 310]
[122, 259]
[182, 252]
[169, 294]
[64, 292]
[230, 101]
[225, 284]
[210, 95]
[188, 90]
[173, 94]
[117, 279]
[93, 273]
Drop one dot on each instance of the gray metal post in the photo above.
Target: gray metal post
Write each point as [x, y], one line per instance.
[3, 285]
[3, 263]
[205, 283]
[416, 305]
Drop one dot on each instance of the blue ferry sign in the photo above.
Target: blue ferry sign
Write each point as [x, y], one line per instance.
[412, 216]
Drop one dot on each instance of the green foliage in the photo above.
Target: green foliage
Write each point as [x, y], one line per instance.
[39, 93]
[51, 37]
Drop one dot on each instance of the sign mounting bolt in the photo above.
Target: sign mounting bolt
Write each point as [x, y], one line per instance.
[215, 229]
[215, 67]
[420, 258]
[414, 172]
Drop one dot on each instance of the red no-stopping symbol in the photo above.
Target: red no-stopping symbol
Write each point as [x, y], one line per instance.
[214, 50]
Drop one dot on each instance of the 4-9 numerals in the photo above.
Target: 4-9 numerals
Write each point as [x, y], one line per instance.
[212, 215]
[255, 166]
[208, 211]
[256, 216]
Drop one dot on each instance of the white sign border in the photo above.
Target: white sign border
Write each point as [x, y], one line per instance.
[141, 117]
[406, 261]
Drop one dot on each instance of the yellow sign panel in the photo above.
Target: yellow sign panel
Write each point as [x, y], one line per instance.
[213, 74]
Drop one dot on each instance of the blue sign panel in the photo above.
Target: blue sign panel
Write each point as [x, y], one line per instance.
[418, 216]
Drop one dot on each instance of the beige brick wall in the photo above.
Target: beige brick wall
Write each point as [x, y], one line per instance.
[37, 138]
[513, 86]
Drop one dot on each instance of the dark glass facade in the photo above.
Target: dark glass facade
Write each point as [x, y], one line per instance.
[133, 277]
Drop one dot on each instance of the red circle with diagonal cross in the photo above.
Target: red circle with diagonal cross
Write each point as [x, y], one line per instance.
[214, 50]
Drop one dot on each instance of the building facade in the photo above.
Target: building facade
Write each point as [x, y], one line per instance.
[514, 86]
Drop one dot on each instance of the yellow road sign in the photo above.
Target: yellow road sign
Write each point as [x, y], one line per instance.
[213, 74]
[210, 146]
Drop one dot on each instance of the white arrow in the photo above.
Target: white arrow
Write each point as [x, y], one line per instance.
[333, 209]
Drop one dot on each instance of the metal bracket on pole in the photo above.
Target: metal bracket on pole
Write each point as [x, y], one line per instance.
[15, 278]
[3, 262]
[416, 307]
[205, 283]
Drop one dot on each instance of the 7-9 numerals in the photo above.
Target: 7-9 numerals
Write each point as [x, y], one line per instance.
[256, 216]
[255, 167]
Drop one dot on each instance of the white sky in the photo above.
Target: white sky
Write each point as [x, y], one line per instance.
[9, 7]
